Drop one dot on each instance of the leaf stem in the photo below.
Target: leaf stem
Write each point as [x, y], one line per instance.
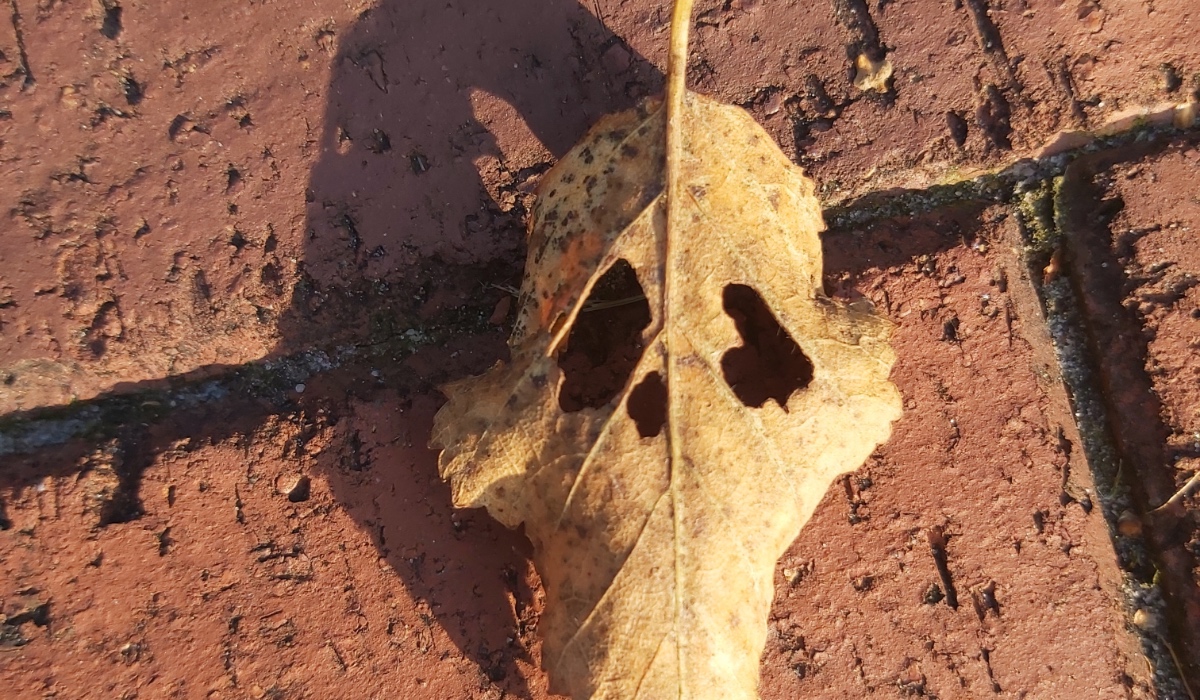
[681, 21]
[681, 24]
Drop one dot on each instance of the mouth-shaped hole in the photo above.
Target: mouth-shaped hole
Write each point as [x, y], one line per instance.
[769, 364]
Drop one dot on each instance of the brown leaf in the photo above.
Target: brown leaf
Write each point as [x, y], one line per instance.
[659, 509]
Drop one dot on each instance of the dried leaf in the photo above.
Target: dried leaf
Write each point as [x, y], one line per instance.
[658, 514]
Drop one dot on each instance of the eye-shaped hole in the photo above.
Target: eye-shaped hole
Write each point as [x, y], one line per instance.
[605, 343]
[769, 364]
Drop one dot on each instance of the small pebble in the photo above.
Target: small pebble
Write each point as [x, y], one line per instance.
[300, 388]
[1144, 619]
[1129, 525]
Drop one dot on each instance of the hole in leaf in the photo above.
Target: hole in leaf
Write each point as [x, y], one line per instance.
[605, 343]
[769, 364]
[647, 405]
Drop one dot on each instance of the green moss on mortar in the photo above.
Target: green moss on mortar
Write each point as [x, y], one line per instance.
[1036, 209]
[905, 203]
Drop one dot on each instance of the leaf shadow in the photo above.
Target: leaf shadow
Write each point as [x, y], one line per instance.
[439, 119]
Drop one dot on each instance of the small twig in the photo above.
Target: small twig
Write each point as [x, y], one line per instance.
[1175, 502]
[613, 303]
[587, 306]
[507, 288]
[1179, 668]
